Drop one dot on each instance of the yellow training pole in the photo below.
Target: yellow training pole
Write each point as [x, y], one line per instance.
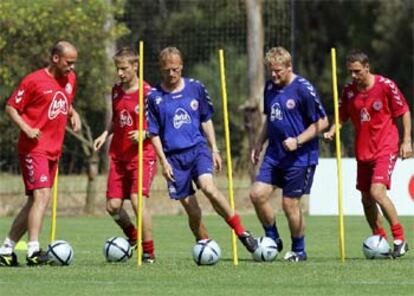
[338, 158]
[140, 149]
[54, 207]
[228, 148]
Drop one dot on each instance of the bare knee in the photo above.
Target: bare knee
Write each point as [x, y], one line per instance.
[291, 206]
[378, 193]
[113, 206]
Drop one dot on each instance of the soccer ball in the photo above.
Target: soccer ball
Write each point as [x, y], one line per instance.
[206, 252]
[60, 253]
[266, 250]
[117, 249]
[376, 247]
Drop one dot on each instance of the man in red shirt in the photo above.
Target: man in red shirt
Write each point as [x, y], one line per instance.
[40, 107]
[123, 175]
[374, 103]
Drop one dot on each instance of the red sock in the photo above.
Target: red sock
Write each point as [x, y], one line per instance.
[148, 247]
[131, 232]
[397, 231]
[381, 232]
[235, 223]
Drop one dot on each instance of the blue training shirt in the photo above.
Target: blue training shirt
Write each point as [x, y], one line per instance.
[290, 110]
[176, 117]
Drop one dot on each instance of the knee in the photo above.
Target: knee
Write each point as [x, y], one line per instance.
[290, 206]
[377, 193]
[210, 190]
[112, 208]
[367, 202]
[257, 197]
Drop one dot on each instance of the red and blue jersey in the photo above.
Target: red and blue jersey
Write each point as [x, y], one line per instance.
[290, 110]
[176, 117]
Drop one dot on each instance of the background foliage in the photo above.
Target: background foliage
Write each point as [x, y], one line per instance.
[384, 29]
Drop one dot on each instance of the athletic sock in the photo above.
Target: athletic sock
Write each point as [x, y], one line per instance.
[271, 231]
[380, 232]
[148, 247]
[131, 232]
[32, 247]
[7, 247]
[298, 244]
[235, 223]
[397, 231]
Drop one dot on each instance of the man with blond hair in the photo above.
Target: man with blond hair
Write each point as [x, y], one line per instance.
[294, 117]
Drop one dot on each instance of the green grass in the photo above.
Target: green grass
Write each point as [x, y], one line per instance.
[175, 273]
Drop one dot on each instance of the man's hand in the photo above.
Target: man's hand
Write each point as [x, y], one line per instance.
[406, 150]
[75, 121]
[167, 171]
[291, 144]
[217, 162]
[329, 136]
[32, 133]
[255, 155]
[99, 141]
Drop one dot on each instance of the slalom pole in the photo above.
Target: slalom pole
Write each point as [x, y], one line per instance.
[54, 207]
[140, 150]
[228, 149]
[338, 158]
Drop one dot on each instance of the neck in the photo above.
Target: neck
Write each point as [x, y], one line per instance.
[173, 87]
[131, 86]
[51, 71]
[368, 83]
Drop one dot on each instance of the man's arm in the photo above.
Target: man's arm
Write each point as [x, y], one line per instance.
[167, 169]
[32, 133]
[208, 129]
[254, 157]
[406, 148]
[75, 119]
[292, 144]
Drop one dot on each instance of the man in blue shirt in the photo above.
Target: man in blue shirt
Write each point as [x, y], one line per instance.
[295, 116]
[181, 129]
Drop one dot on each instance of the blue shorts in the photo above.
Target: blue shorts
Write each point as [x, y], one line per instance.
[187, 166]
[294, 181]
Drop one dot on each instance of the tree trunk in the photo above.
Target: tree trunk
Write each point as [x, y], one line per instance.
[252, 107]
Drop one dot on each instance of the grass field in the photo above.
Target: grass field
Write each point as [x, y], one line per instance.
[175, 273]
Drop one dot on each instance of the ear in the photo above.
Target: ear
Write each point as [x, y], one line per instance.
[55, 58]
[135, 66]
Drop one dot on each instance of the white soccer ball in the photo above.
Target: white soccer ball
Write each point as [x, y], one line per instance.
[117, 249]
[266, 250]
[206, 252]
[60, 252]
[376, 247]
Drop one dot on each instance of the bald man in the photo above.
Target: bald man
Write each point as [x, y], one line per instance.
[40, 106]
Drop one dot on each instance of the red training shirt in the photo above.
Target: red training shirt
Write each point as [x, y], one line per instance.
[125, 112]
[373, 113]
[43, 102]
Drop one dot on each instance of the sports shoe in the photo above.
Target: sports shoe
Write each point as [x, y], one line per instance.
[9, 260]
[279, 244]
[133, 243]
[295, 256]
[400, 248]
[249, 241]
[148, 258]
[38, 258]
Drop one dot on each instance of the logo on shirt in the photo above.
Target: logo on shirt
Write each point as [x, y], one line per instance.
[125, 118]
[365, 115]
[43, 179]
[158, 100]
[377, 105]
[58, 106]
[276, 112]
[136, 110]
[19, 96]
[194, 104]
[181, 117]
[68, 88]
[290, 104]
[350, 95]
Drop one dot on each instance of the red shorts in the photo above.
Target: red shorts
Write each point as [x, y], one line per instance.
[123, 178]
[38, 171]
[378, 171]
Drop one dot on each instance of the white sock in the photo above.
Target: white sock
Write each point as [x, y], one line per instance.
[8, 246]
[32, 247]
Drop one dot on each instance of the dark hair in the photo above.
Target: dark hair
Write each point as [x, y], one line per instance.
[357, 56]
[127, 53]
[60, 47]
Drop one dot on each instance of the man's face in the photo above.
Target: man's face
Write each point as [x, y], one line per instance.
[65, 63]
[280, 73]
[359, 72]
[126, 71]
[171, 69]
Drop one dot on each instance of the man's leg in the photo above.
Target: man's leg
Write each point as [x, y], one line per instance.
[222, 207]
[379, 194]
[296, 221]
[35, 219]
[373, 215]
[194, 214]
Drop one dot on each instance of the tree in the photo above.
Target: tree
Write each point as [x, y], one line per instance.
[29, 28]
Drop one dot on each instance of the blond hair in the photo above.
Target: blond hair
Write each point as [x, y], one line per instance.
[166, 52]
[278, 55]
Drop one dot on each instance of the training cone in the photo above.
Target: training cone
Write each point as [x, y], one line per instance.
[21, 245]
